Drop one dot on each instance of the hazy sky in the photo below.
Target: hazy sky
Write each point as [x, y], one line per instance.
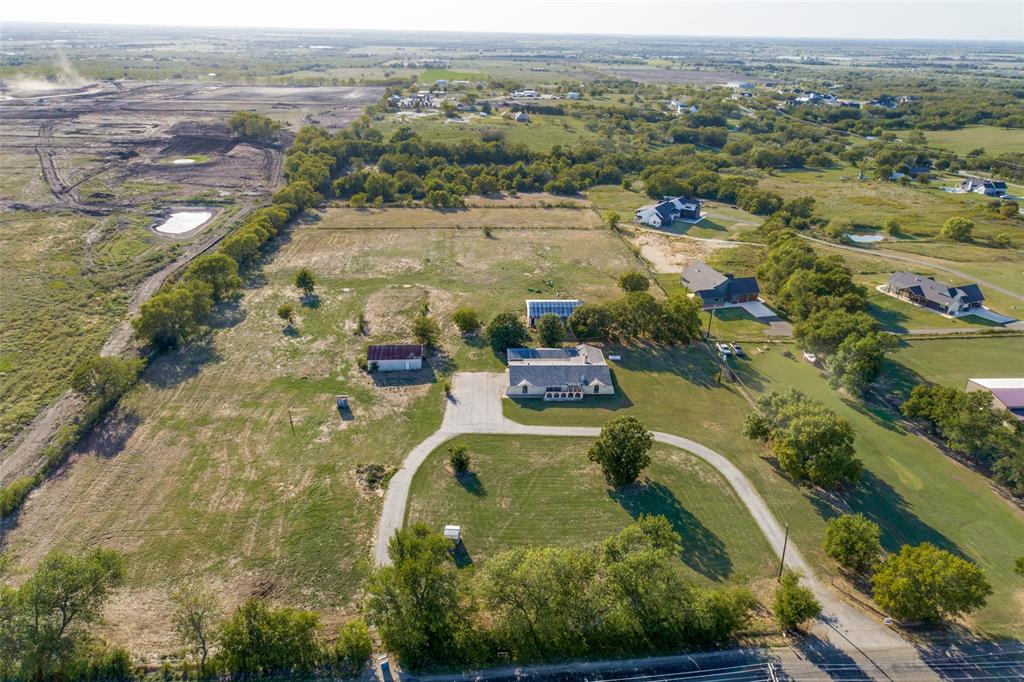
[966, 19]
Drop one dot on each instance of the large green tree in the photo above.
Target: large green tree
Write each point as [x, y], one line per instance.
[106, 378]
[857, 361]
[793, 603]
[634, 281]
[825, 330]
[194, 618]
[260, 640]
[414, 602]
[622, 450]
[551, 330]
[220, 271]
[590, 321]
[925, 583]
[506, 331]
[957, 228]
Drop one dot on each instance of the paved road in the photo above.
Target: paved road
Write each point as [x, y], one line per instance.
[475, 407]
[924, 262]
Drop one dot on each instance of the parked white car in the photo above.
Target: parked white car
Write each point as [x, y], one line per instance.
[811, 358]
[723, 348]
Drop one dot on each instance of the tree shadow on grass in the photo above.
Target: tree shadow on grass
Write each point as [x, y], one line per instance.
[703, 551]
[691, 363]
[461, 556]
[472, 483]
[174, 367]
[891, 320]
[412, 377]
[112, 434]
[226, 315]
[883, 504]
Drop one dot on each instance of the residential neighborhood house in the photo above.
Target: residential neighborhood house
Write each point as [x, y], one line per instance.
[558, 373]
[717, 289]
[395, 357]
[1007, 394]
[992, 188]
[668, 211]
[930, 293]
[537, 308]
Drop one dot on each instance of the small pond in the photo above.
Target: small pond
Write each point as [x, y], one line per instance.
[181, 222]
[183, 162]
[865, 238]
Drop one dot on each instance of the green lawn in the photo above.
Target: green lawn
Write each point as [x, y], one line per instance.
[544, 491]
[953, 361]
[920, 210]
[431, 75]
[911, 489]
[993, 140]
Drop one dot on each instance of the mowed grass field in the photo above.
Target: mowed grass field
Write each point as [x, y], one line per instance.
[529, 492]
[540, 133]
[952, 362]
[910, 488]
[921, 211]
[993, 140]
[495, 216]
[200, 472]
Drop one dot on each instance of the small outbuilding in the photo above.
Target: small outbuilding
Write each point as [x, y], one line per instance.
[395, 357]
[537, 308]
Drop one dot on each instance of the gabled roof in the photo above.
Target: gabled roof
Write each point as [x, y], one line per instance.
[706, 282]
[932, 290]
[394, 351]
[581, 365]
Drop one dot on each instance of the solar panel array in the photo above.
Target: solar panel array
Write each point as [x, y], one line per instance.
[562, 308]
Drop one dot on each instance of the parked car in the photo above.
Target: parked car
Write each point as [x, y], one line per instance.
[723, 348]
[738, 349]
[811, 358]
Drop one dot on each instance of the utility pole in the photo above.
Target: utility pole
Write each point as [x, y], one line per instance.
[711, 316]
[782, 561]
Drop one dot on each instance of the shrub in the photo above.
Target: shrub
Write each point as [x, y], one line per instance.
[854, 542]
[957, 228]
[458, 457]
[286, 311]
[426, 331]
[260, 640]
[353, 647]
[634, 281]
[105, 378]
[306, 281]
[467, 320]
[794, 604]
[892, 226]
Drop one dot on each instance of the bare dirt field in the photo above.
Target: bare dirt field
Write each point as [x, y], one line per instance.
[667, 253]
[86, 172]
[680, 77]
[200, 470]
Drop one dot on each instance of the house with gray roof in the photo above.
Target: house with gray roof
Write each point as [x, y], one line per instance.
[558, 373]
[930, 293]
[669, 210]
[716, 289]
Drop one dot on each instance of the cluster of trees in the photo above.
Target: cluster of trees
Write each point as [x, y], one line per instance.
[919, 583]
[45, 629]
[177, 313]
[969, 425]
[811, 442]
[253, 126]
[819, 293]
[624, 596]
[637, 315]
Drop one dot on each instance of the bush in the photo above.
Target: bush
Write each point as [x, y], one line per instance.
[458, 457]
[14, 493]
[353, 648]
[794, 604]
[426, 331]
[306, 281]
[957, 228]
[286, 311]
[892, 226]
[634, 281]
[260, 640]
[854, 542]
[837, 227]
[105, 378]
[506, 331]
[467, 320]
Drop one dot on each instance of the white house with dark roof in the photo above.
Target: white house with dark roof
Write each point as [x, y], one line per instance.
[988, 187]
[930, 293]
[558, 373]
[669, 210]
